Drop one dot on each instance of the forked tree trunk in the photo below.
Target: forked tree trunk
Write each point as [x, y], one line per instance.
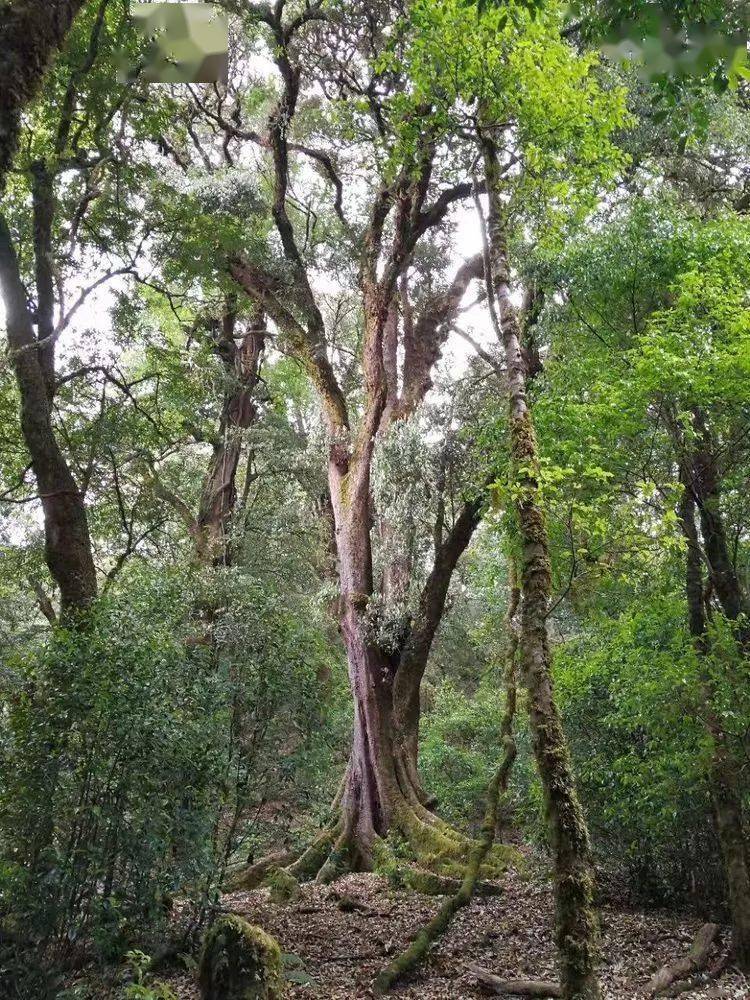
[378, 790]
[382, 787]
[415, 653]
[67, 546]
[382, 790]
[725, 794]
[374, 792]
[576, 925]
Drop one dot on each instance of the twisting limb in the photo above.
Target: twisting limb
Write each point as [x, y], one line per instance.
[498, 787]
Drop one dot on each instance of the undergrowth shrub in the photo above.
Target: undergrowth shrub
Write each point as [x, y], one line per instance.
[629, 692]
[138, 760]
[460, 750]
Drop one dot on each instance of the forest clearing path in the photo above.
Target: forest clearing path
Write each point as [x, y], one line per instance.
[346, 932]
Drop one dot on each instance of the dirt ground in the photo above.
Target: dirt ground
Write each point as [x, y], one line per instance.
[333, 951]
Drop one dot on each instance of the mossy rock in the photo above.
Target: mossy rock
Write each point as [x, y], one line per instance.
[239, 962]
[284, 888]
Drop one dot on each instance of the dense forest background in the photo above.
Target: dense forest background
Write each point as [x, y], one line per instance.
[374, 471]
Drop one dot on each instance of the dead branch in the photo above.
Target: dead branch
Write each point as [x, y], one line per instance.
[695, 961]
[514, 987]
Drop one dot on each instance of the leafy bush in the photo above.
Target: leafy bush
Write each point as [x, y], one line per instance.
[138, 757]
[628, 689]
[111, 769]
[460, 749]
[143, 986]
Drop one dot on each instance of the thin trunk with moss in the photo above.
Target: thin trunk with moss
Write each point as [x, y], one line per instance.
[726, 798]
[576, 921]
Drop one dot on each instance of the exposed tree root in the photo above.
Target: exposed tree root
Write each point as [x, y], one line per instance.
[309, 863]
[427, 858]
[405, 874]
[695, 961]
[422, 852]
[699, 980]
[253, 876]
[459, 893]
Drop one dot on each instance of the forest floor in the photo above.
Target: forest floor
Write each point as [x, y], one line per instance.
[339, 949]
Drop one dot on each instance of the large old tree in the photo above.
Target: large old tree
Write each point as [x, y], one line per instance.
[411, 186]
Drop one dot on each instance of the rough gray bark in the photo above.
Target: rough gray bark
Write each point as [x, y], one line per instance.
[239, 411]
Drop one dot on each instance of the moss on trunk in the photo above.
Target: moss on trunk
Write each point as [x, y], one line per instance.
[239, 962]
[576, 923]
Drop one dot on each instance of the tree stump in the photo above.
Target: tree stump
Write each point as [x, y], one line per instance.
[239, 962]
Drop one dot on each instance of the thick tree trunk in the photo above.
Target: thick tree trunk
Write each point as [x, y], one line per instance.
[382, 785]
[381, 791]
[219, 493]
[68, 550]
[576, 930]
[378, 790]
[725, 794]
[371, 792]
[727, 805]
[383, 778]
[31, 32]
